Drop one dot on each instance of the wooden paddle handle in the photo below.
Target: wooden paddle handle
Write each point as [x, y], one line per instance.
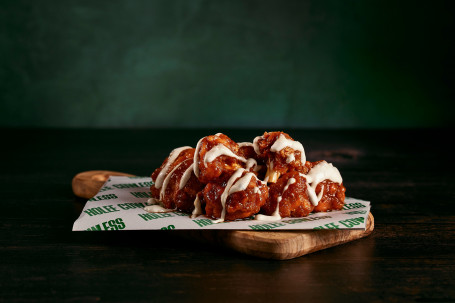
[88, 183]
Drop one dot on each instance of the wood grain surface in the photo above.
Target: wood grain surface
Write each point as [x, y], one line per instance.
[406, 174]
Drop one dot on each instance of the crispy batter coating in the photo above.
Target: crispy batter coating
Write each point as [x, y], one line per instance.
[239, 204]
[291, 192]
[184, 197]
[333, 195]
[332, 198]
[160, 174]
[246, 150]
[225, 176]
[279, 161]
[180, 187]
[227, 159]
[169, 189]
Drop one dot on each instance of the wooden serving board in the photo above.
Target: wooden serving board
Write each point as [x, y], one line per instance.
[280, 245]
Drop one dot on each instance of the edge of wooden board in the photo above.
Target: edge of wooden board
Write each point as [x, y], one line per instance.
[281, 245]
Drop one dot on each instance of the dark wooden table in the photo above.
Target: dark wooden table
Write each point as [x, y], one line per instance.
[408, 175]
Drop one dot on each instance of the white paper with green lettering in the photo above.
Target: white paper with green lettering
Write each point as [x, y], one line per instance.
[119, 205]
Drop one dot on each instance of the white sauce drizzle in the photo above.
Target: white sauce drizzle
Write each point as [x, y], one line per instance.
[172, 156]
[242, 144]
[225, 194]
[290, 181]
[186, 176]
[324, 171]
[197, 208]
[235, 184]
[156, 206]
[283, 142]
[276, 214]
[157, 209]
[320, 172]
[290, 158]
[152, 201]
[241, 184]
[255, 144]
[312, 194]
[251, 163]
[261, 217]
[312, 191]
[168, 177]
[195, 159]
[220, 150]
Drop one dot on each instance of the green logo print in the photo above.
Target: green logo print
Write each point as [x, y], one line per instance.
[352, 222]
[353, 205]
[328, 226]
[116, 224]
[266, 226]
[300, 220]
[140, 194]
[126, 206]
[103, 197]
[133, 185]
[94, 211]
[203, 222]
[153, 216]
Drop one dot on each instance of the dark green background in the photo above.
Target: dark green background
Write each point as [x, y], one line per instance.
[226, 63]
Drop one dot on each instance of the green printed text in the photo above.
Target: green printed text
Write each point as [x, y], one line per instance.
[94, 211]
[300, 220]
[266, 226]
[103, 197]
[153, 216]
[357, 212]
[126, 206]
[140, 194]
[105, 188]
[328, 226]
[203, 222]
[109, 225]
[133, 185]
[352, 222]
[353, 205]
